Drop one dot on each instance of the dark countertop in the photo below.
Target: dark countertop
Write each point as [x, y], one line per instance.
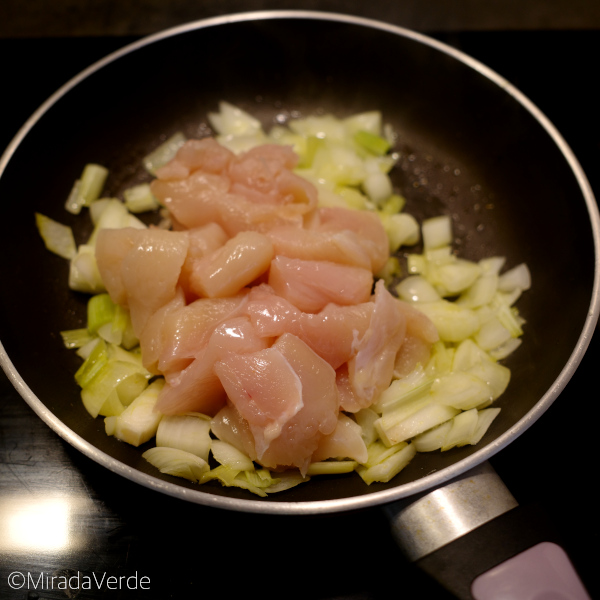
[69, 514]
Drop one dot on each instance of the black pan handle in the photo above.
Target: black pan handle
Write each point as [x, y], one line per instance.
[472, 536]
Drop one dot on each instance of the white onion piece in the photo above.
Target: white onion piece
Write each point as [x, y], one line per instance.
[437, 232]
[518, 277]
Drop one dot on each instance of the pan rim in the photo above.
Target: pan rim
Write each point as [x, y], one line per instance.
[367, 500]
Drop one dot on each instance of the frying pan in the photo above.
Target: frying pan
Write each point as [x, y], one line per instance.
[470, 145]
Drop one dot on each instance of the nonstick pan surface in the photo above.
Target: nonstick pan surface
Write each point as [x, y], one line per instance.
[470, 144]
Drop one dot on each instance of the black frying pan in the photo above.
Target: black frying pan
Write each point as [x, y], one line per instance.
[471, 146]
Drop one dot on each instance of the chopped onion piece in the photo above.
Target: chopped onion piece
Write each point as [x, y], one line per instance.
[228, 455]
[87, 188]
[76, 338]
[366, 418]
[138, 423]
[331, 467]
[485, 418]
[231, 120]
[285, 481]
[425, 418]
[492, 265]
[389, 468]
[505, 349]
[188, 432]
[83, 272]
[122, 377]
[492, 334]
[481, 292]
[369, 121]
[402, 230]
[461, 389]
[518, 277]
[462, 430]
[416, 288]
[377, 186]
[58, 238]
[166, 151]
[404, 390]
[453, 322]
[437, 232]
[372, 142]
[139, 198]
[179, 463]
[432, 439]
[455, 277]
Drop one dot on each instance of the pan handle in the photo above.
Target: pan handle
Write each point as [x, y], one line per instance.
[471, 535]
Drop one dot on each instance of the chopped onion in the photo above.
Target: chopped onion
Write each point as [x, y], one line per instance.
[453, 322]
[331, 467]
[87, 188]
[518, 277]
[228, 455]
[377, 186]
[462, 430]
[437, 232]
[231, 120]
[390, 467]
[461, 389]
[179, 463]
[58, 238]
[138, 423]
[372, 142]
[186, 432]
[139, 198]
[485, 419]
[416, 288]
[402, 230]
[166, 151]
[419, 421]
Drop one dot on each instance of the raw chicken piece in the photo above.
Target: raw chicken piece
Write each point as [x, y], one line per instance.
[254, 173]
[319, 415]
[236, 214]
[253, 191]
[206, 155]
[420, 335]
[112, 246]
[197, 388]
[265, 390]
[152, 339]
[310, 284]
[348, 400]
[332, 333]
[414, 351]
[229, 426]
[296, 189]
[186, 331]
[203, 240]
[367, 226]
[342, 247]
[288, 398]
[226, 270]
[345, 442]
[141, 268]
[194, 201]
[372, 369]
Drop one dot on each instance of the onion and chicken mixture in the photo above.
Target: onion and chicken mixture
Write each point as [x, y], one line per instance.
[253, 333]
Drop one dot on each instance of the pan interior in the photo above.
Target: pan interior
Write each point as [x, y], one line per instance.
[467, 148]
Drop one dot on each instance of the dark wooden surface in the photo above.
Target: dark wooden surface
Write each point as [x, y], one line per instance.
[60, 513]
[65, 18]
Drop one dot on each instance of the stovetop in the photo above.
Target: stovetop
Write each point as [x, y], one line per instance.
[62, 514]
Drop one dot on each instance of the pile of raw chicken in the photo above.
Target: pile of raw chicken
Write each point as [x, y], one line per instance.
[261, 309]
